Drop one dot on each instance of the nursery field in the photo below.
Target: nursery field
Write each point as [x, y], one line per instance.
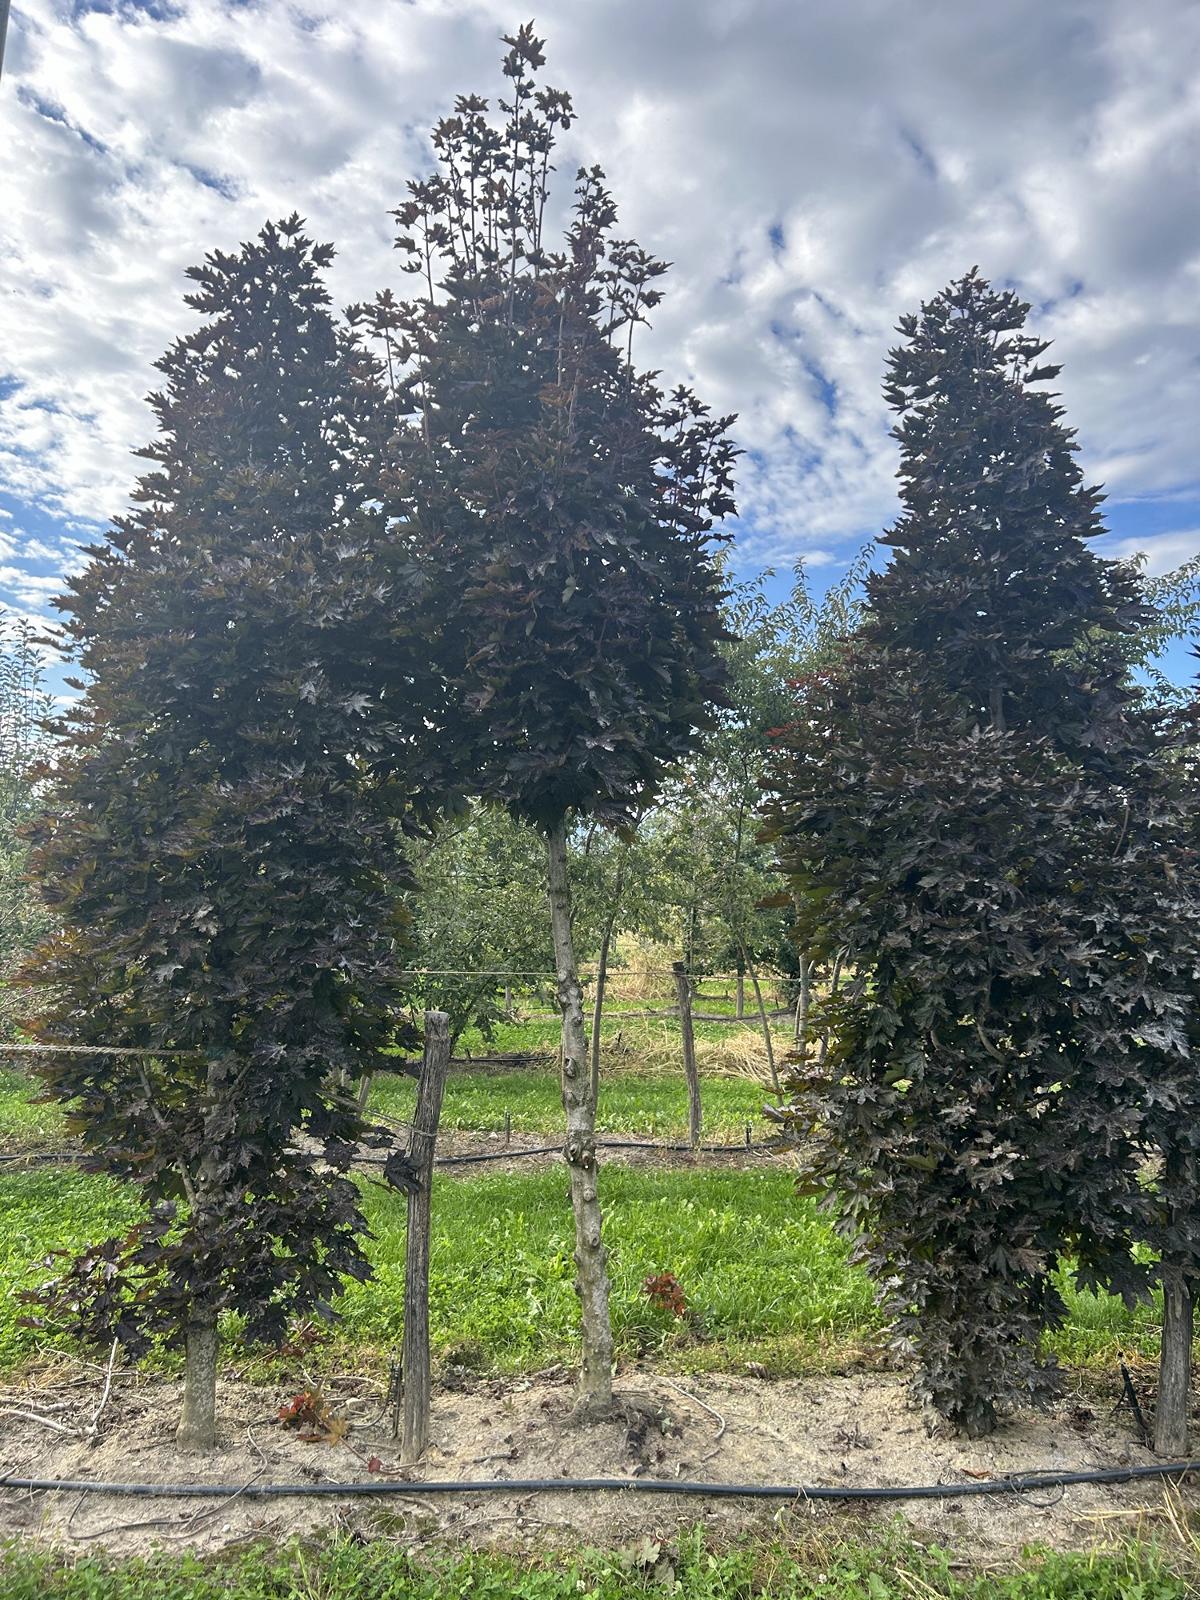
[764, 1277]
[768, 1293]
[631, 1103]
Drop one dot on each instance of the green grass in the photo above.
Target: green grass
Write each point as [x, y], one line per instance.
[24, 1125]
[43, 1210]
[1099, 1326]
[764, 1276]
[657, 1035]
[501, 1275]
[632, 1102]
[652, 1105]
[501, 1269]
[884, 1568]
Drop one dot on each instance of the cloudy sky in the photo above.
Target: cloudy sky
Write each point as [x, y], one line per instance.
[812, 167]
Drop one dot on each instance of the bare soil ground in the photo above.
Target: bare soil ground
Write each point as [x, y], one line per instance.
[844, 1431]
[622, 1150]
[521, 1152]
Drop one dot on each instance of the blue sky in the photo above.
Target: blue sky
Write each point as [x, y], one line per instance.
[813, 170]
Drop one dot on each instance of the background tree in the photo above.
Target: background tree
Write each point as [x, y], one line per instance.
[25, 707]
[564, 506]
[478, 922]
[218, 873]
[727, 922]
[974, 804]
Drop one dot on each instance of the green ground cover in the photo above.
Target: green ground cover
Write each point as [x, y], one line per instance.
[536, 1029]
[764, 1275]
[24, 1125]
[643, 1092]
[654, 1106]
[886, 1568]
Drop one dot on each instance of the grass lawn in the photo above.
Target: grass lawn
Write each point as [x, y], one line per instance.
[656, 1036]
[24, 1125]
[764, 1276]
[633, 1101]
[888, 1567]
[654, 1106]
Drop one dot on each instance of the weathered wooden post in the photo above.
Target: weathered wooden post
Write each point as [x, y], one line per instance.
[1175, 1352]
[683, 989]
[417, 1365]
[1174, 1368]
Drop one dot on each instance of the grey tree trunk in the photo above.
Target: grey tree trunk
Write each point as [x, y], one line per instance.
[803, 1001]
[602, 969]
[591, 1281]
[740, 1007]
[598, 1007]
[1174, 1367]
[418, 1376]
[683, 990]
[766, 1027]
[197, 1428]
[823, 1047]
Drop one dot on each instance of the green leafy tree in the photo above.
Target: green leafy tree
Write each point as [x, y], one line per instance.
[974, 803]
[478, 926]
[727, 920]
[1172, 611]
[219, 873]
[564, 506]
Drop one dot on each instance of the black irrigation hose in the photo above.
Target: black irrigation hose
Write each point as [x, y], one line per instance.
[1016, 1483]
[601, 1144]
[62, 1157]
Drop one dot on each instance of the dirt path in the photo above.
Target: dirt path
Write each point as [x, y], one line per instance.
[842, 1431]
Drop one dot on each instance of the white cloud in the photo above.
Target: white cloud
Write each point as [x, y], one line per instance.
[813, 171]
[1162, 552]
[28, 589]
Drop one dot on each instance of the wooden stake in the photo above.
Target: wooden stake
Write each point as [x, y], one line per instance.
[1174, 1367]
[683, 989]
[417, 1365]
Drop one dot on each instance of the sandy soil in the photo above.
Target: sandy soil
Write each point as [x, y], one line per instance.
[852, 1430]
[508, 1155]
[616, 1149]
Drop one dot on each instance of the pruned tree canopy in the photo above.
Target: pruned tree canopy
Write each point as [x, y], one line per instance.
[223, 881]
[563, 502]
[976, 805]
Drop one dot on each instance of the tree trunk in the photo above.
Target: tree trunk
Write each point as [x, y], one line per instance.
[740, 1012]
[197, 1428]
[683, 989]
[602, 970]
[422, 1141]
[802, 1005]
[591, 1282]
[766, 1026]
[598, 1006]
[1174, 1367]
